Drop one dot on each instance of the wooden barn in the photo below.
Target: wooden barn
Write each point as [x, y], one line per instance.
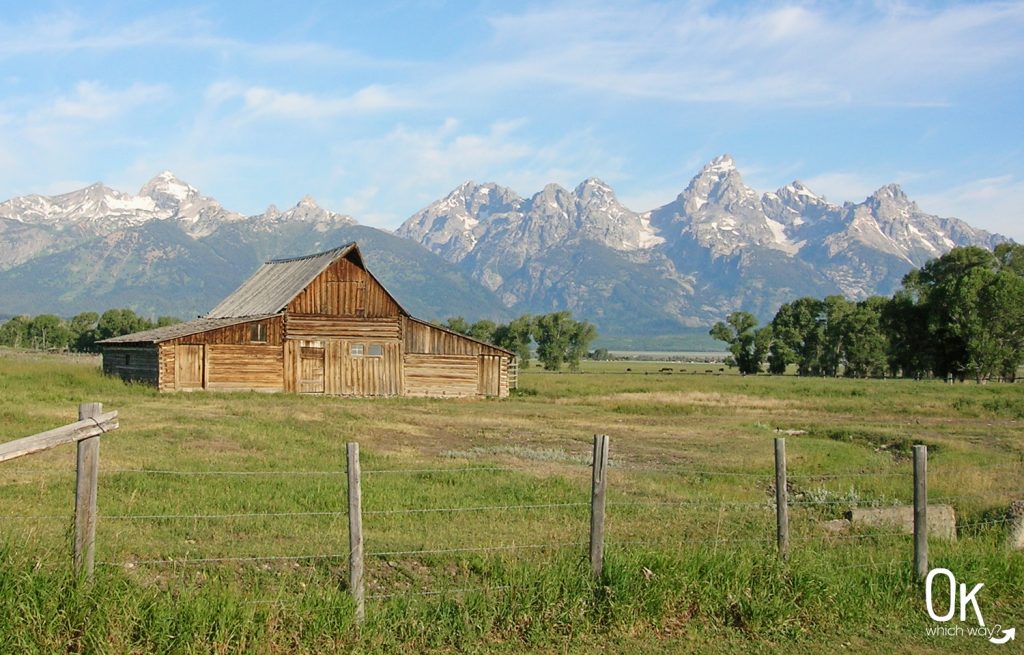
[319, 324]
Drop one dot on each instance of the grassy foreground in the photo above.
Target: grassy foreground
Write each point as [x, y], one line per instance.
[497, 492]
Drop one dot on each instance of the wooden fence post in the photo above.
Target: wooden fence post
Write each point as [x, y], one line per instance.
[355, 533]
[597, 498]
[781, 498]
[921, 511]
[84, 550]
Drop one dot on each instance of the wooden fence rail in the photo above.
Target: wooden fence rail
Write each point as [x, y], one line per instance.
[86, 434]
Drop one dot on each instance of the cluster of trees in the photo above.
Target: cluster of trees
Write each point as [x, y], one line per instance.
[80, 333]
[959, 316]
[559, 339]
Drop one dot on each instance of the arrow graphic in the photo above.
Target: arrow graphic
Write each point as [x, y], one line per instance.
[1007, 636]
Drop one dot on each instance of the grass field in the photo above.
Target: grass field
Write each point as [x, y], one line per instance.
[476, 515]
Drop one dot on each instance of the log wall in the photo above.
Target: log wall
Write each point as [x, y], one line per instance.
[242, 368]
[133, 363]
[307, 326]
[441, 375]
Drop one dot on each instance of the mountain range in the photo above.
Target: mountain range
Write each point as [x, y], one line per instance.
[483, 250]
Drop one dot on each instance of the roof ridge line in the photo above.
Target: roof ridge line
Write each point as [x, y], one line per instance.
[283, 260]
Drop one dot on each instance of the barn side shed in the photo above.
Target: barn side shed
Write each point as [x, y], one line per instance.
[319, 324]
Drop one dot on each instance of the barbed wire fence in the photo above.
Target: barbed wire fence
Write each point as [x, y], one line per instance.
[784, 499]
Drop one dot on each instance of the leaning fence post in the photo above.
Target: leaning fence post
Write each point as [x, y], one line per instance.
[597, 497]
[87, 474]
[921, 511]
[355, 532]
[781, 498]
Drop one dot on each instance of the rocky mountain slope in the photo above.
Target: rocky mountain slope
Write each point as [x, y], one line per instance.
[171, 250]
[483, 251]
[719, 246]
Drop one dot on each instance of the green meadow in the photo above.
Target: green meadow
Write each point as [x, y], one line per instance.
[223, 521]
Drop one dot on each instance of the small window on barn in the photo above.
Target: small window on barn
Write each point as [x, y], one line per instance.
[376, 350]
[258, 332]
[127, 359]
[357, 349]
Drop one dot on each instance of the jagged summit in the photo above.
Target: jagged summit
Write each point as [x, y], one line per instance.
[168, 191]
[718, 247]
[721, 165]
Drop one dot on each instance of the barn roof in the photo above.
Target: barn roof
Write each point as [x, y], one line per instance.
[185, 329]
[276, 283]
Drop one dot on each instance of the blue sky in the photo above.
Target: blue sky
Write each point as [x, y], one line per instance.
[377, 109]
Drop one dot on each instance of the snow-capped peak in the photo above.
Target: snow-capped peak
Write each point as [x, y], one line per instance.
[169, 191]
[798, 188]
[890, 192]
[720, 165]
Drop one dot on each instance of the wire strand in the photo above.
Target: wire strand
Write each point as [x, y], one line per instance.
[477, 549]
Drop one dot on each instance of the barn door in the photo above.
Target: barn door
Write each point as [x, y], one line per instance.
[311, 369]
[489, 375]
[188, 367]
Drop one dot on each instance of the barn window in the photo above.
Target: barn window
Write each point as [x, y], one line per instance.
[356, 349]
[127, 359]
[258, 332]
[376, 350]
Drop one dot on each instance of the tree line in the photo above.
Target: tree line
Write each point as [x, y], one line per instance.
[959, 316]
[79, 333]
[559, 339]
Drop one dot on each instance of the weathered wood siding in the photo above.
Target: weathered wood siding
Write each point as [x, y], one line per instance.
[366, 374]
[133, 363]
[189, 366]
[168, 365]
[307, 326]
[344, 289]
[240, 333]
[311, 369]
[489, 376]
[424, 338]
[292, 365]
[245, 367]
[441, 375]
[428, 375]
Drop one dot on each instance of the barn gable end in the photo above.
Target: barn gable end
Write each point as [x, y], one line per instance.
[318, 324]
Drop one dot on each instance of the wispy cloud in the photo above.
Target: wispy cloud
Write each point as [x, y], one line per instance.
[184, 29]
[92, 100]
[793, 55]
[995, 202]
[264, 101]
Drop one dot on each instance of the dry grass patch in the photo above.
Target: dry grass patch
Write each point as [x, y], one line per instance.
[698, 398]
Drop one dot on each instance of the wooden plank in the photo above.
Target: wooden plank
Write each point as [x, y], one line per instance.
[921, 511]
[355, 532]
[87, 476]
[74, 432]
[304, 326]
[245, 367]
[441, 375]
[311, 378]
[189, 369]
[597, 504]
[781, 498]
[239, 333]
[206, 366]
